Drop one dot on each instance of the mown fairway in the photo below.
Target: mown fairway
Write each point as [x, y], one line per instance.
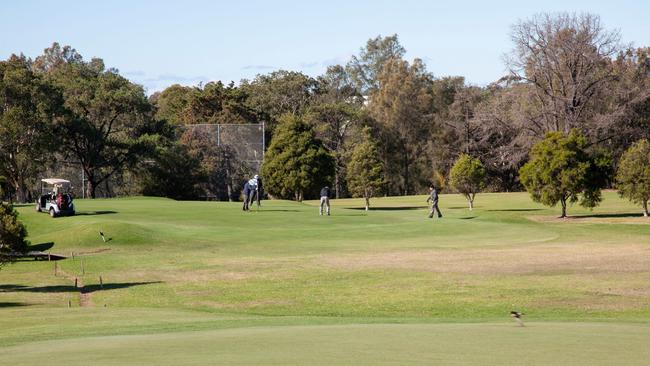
[205, 283]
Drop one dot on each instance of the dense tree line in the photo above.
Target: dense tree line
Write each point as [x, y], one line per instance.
[566, 73]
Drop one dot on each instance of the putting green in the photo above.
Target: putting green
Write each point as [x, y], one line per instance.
[376, 344]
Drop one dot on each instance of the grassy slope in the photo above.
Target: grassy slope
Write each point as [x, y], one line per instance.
[181, 266]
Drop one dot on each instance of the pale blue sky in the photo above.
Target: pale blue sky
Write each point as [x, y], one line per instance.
[158, 43]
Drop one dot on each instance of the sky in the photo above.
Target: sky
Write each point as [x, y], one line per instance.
[160, 43]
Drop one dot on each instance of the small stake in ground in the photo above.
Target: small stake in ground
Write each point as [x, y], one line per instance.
[69, 303]
[517, 316]
[76, 282]
[101, 283]
[83, 272]
[56, 268]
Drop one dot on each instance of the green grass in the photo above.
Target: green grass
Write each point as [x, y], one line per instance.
[204, 281]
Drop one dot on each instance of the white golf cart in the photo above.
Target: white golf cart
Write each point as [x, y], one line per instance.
[55, 197]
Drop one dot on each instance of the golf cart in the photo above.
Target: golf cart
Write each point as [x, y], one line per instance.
[55, 197]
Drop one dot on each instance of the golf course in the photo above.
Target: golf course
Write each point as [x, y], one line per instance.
[196, 283]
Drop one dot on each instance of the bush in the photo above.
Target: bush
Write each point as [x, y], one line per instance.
[633, 175]
[12, 233]
[467, 176]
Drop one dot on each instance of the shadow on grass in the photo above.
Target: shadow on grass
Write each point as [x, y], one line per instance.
[608, 215]
[13, 304]
[71, 288]
[393, 208]
[93, 213]
[24, 204]
[467, 218]
[274, 210]
[40, 247]
[517, 210]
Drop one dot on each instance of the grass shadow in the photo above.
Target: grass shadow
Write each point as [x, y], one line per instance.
[93, 213]
[517, 210]
[390, 208]
[608, 215]
[274, 210]
[13, 304]
[72, 288]
[23, 204]
[115, 286]
[40, 247]
[467, 218]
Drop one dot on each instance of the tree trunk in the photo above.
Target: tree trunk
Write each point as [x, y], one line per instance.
[471, 203]
[21, 192]
[90, 187]
[406, 174]
[563, 202]
[367, 203]
[645, 208]
[337, 181]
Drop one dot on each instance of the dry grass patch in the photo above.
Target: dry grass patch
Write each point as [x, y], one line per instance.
[574, 258]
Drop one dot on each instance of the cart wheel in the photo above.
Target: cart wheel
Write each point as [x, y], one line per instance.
[52, 213]
[38, 207]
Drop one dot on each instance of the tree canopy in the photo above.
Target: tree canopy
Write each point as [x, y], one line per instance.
[467, 176]
[365, 173]
[296, 164]
[633, 175]
[562, 170]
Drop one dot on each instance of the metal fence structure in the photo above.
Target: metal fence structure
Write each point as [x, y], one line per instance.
[246, 140]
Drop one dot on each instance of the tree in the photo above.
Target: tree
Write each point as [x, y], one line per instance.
[170, 103]
[278, 93]
[173, 173]
[28, 108]
[219, 164]
[296, 164]
[108, 126]
[332, 123]
[365, 174]
[633, 175]
[365, 68]
[217, 103]
[335, 111]
[562, 170]
[402, 109]
[567, 60]
[467, 176]
[12, 233]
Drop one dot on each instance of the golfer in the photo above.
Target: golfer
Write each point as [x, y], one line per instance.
[325, 199]
[250, 189]
[433, 198]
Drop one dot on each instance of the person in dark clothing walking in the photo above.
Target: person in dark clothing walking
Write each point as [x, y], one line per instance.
[325, 199]
[433, 198]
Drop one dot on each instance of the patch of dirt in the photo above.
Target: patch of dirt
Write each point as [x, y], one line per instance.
[575, 258]
[85, 299]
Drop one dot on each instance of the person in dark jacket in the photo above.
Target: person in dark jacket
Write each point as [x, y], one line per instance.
[325, 199]
[251, 192]
[246, 192]
[433, 198]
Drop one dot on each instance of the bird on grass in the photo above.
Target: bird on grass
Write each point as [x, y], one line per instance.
[102, 235]
[516, 315]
